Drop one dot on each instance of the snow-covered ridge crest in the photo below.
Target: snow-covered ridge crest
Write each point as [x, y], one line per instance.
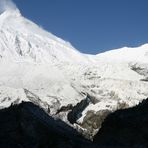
[126, 54]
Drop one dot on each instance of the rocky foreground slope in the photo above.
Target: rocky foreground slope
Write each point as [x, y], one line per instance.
[80, 89]
[28, 126]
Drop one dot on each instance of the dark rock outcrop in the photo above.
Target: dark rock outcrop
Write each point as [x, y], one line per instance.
[28, 126]
[77, 110]
[127, 128]
[65, 108]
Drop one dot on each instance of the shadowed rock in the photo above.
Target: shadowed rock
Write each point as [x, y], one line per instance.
[28, 126]
[125, 128]
[77, 110]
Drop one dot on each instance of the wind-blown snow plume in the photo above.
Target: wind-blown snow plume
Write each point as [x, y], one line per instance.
[7, 5]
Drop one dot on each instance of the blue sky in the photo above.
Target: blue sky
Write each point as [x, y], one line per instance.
[92, 26]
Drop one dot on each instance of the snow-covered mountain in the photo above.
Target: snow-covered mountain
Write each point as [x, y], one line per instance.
[39, 67]
[21, 39]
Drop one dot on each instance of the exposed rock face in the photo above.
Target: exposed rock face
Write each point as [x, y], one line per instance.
[28, 126]
[75, 114]
[65, 108]
[141, 69]
[93, 121]
[125, 128]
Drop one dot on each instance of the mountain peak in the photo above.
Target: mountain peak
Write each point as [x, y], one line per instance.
[11, 12]
[7, 5]
[29, 42]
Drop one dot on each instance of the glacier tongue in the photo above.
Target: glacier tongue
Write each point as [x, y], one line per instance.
[40, 67]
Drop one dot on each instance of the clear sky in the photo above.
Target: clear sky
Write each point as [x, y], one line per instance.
[91, 26]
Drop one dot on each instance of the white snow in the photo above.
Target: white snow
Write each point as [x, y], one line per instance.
[126, 54]
[23, 40]
[57, 74]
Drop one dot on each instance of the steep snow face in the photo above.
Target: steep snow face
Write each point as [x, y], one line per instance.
[23, 40]
[29, 59]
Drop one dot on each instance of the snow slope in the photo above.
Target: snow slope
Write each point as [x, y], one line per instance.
[127, 54]
[40, 67]
[29, 56]
[23, 40]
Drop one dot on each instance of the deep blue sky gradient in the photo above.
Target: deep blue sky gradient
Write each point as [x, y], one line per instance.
[92, 26]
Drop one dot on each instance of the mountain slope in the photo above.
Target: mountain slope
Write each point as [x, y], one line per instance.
[39, 67]
[22, 39]
[126, 54]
